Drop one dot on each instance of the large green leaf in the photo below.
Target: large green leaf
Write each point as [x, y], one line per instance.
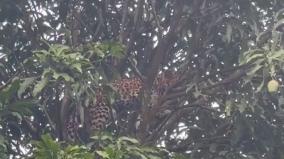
[7, 93]
[65, 76]
[47, 148]
[78, 67]
[117, 50]
[103, 154]
[22, 107]
[58, 49]
[127, 139]
[25, 84]
[39, 86]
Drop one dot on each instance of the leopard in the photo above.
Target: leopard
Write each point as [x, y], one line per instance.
[99, 112]
[128, 90]
[72, 125]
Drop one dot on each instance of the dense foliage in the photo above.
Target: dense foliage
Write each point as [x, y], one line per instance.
[196, 78]
[109, 148]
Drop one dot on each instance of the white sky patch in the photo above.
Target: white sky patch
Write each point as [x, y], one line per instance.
[155, 39]
[215, 105]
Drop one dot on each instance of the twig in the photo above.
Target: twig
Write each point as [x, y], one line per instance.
[157, 21]
[64, 109]
[101, 21]
[123, 21]
[47, 115]
[84, 24]
[136, 71]
[9, 81]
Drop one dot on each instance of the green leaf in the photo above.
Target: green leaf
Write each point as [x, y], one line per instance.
[39, 86]
[254, 69]
[78, 67]
[24, 85]
[41, 55]
[229, 31]
[228, 108]
[153, 157]
[22, 107]
[260, 86]
[74, 56]
[103, 154]
[99, 52]
[58, 49]
[254, 57]
[280, 23]
[17, 115]
[82, 115]
[132, 140]
[65, 76]
[242, 106]
[47, 148]
[117, 50]
[280, 14]
[7, 93]
[277, 54]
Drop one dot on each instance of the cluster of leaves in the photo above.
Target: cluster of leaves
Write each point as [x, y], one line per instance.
[12, 113]
[266, 54]
[265, 60]
[107, 147]
[22, 97]
[60, 62]
[124, 147]
[47, 148]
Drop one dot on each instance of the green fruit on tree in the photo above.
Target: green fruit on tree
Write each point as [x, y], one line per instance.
[272, 86]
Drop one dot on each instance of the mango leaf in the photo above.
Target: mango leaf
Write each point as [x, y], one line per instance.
[149, 150]
[74, 56]
[153, 157]
[7, 93]
[22, 107]
[254, 70]
[117, 50]
[58, 49]
[279, 24]
[65, 76]
[17, 115]
[132, 140]
[242, 106]
[228, 35]
[280, 14]
[3, 147]
[103, 137]
[276, 54]
[41, 55]
[82, 114]
[263, 37]
[259, 88]
[39, 86]
[228, 107]
[137, 153]
[251, 52]
[24, 85]
[265, 74]
[103, 154]
[77, 152]
[99, 52]
[255, 56]
[78, 67]
[47, 148]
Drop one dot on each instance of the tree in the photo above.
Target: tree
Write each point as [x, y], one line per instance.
[195, 77]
